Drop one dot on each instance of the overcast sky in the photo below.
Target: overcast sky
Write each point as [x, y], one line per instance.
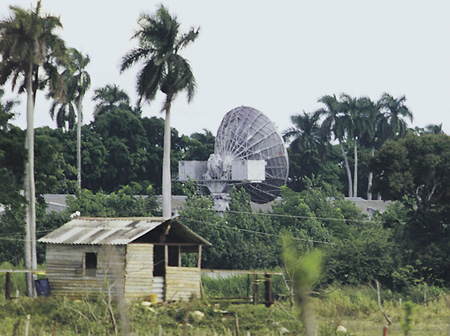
[278, 57]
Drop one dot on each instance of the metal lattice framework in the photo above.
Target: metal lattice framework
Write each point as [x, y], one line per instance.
[247, 134]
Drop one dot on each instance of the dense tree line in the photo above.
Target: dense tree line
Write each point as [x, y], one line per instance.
[120, 148]
[337, 141]
[349, 145]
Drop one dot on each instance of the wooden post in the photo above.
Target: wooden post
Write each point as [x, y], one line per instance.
[166, 257]
[268, 289]
[199, 257]
[255, 289]
[27, 328]
[8, 286]
[385, 331]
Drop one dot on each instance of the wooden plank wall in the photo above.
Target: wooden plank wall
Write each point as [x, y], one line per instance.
[182, 282]
[139, 271]
[65, 270]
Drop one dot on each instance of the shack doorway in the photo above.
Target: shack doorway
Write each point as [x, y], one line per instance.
[159, 260]
[159, 272]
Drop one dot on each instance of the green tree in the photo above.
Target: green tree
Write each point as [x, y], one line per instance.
[124, 139]
[336, 124]
[53, 174]
[164, 69]
[200, 146]
[108, 97]
[27, 44]
[122, 203]
[293, 214]
[361, 114]
[416, 171]
[199, 215]
[394, 111]
[416, 167]
[434, 129]
[308, 151]
[12, 158]
[307, 134]
[6, 111]
[77, 81]
[83, 81]
[94, 156]
[255, 240]
[429, 129]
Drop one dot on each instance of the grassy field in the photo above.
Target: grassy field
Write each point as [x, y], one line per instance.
[355, 308]
[56, 316]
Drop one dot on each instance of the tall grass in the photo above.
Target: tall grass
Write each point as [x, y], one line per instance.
[17, 279]
[353, 307]
[240, 286]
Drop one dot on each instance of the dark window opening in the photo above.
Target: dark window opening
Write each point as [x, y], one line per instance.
[90, 264]
[159, 265]
[174, 256]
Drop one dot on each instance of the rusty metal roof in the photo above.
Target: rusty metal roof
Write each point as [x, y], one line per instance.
[113, 231]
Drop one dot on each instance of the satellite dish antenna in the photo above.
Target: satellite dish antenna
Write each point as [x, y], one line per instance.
[249, 152]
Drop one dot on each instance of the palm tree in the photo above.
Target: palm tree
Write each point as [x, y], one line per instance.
[394, 112]
[27, 45]
[164, 69]
[434, 129]
[360, 124]
[77, 81]
[307, 134]
[83, 80]
[336, 123]
[390, 120]
[108, 97]
[372, 138]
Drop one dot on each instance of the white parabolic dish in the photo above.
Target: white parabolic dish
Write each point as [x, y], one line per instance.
[247, 134]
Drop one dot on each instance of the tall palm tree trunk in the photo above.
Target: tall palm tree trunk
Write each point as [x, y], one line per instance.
[347, 168]
[166, 175]
[79, 110]
[355, 170]
[370, 180]
[30, 192]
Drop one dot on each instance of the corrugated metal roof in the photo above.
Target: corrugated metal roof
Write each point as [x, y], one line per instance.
[112, 231]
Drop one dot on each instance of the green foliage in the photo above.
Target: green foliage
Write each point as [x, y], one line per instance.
[351, 301]
[407, 323]
[200, 146]
[117, 204]
[199, 215]
[295, 215]
[304, 268]
[53, 174]
[12, 228]
[417, 167]
[415, 170]
[364, 255]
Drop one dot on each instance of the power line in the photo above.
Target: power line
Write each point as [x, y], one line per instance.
[257, 232]
[297, 217]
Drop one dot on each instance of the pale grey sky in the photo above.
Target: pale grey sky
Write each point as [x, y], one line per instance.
[278, 57]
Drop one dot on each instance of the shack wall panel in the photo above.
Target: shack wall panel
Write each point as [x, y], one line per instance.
[139, 270]
[182, 282]
[65, 269]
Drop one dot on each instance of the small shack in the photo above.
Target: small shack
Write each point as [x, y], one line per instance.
[125, 257]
